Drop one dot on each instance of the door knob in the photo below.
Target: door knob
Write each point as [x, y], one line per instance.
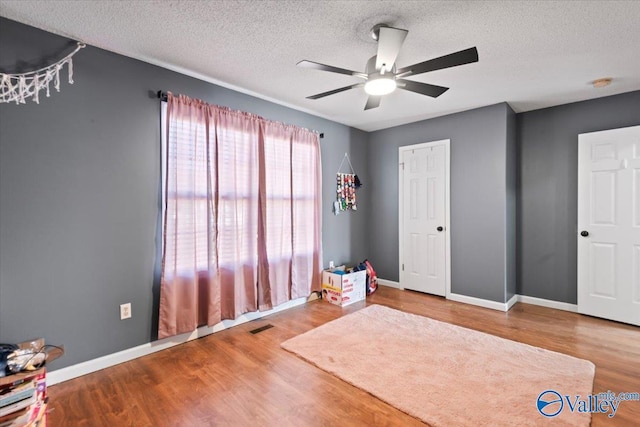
[584, 233]
[440, 228]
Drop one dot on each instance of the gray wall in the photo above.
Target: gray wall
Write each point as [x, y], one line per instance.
[79, 205]
[478, 197]
[511, 214]
[548, 188]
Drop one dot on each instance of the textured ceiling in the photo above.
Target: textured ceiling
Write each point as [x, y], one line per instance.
[533, 54]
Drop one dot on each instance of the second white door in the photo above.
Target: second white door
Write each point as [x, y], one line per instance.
[609, 224]
[423, 221]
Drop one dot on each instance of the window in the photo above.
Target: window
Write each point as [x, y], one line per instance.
[242, 200]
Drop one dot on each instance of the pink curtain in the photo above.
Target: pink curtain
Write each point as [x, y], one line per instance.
[306, 189]
[242, 217]
[237, 135]
[290, 247]
[188, 289]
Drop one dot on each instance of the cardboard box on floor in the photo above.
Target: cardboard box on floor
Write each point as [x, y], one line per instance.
[344, 289]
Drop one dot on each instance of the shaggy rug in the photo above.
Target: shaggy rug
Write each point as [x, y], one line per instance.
[443, 374]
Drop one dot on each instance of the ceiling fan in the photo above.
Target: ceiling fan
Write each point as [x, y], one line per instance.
[381, 75]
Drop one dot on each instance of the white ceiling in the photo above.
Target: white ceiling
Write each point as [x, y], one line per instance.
[533, 54]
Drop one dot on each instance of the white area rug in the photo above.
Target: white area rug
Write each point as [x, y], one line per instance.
[443, 374]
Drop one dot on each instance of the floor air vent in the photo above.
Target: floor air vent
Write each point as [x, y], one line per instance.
[260, 329]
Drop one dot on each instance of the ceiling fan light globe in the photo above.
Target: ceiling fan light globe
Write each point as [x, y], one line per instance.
[380, 86]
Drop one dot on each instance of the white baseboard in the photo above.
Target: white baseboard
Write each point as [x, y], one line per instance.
[462, 298]
[74, 371]
[548, 303]
[494, 305]
[497, 305]
[389, 283]
[506, 306]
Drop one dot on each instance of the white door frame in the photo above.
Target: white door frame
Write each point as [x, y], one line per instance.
[447, 216]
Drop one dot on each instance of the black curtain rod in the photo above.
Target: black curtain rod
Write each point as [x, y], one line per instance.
[163, 97]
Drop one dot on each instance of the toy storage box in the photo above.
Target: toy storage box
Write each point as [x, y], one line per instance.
[344, 289]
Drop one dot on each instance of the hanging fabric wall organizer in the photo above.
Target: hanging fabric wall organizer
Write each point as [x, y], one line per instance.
[346, 185]
[18, 87]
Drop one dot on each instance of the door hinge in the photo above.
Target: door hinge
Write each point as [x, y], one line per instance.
[402, 164]
[402, 267]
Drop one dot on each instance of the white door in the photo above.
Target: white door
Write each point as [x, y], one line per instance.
[424, 171]
[609, 224]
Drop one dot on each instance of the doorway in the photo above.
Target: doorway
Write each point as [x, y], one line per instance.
[609, 224]
[424, 205]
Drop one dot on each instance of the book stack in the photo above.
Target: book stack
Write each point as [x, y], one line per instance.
[23, 395]
[23, 399]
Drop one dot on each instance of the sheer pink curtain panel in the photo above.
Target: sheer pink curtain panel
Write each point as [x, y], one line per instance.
[306, 189]
[237, 172]
[276, 244]
[290, 209]
[189, 294]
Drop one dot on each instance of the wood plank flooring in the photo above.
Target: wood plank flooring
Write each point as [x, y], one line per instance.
[235, 378]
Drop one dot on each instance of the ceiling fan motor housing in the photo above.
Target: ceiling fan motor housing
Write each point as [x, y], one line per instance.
[375, 31]
[371, 67]
[379, 82]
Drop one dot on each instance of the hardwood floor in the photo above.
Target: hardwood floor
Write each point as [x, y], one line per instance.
[235, 378]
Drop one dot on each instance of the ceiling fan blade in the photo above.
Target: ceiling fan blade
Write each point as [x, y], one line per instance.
[331, 92]
[332, 69]
[421, 88]
[466, 56]
[372, 102]
[389, 43]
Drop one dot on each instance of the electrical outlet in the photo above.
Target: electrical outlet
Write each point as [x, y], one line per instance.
[125, 311]
[331, 265]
